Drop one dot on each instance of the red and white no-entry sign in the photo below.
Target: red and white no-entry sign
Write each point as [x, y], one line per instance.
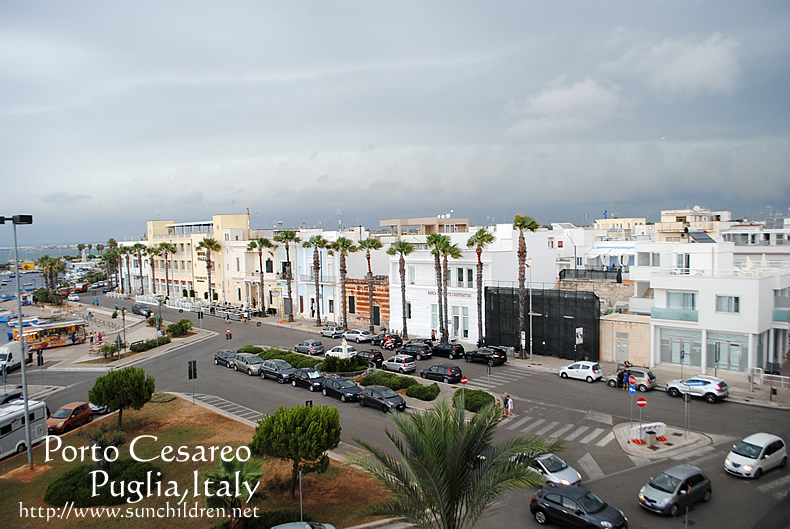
[464, 380]
[641, 402]
[632, 380]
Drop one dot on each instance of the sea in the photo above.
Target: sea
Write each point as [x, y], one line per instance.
[33, 253]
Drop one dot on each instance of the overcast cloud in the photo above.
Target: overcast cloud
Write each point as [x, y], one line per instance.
[114, 113]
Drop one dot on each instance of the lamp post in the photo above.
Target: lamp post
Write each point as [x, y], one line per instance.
[22, 219]
[529, 265]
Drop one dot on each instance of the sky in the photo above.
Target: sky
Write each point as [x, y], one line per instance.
[341, 113]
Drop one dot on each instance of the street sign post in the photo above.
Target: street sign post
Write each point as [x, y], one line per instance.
[464, 380]
[192, 369]
[641, 402]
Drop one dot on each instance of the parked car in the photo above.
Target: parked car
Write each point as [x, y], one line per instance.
[309, 378]
[142, 310]
[756, 454]
[450, 350]
[387, 340]
[374, 358]
[98, 410]
[675, 489]
[358, 335]
[70, 416]
[280, 370]
[332, 331]
[490, 355]
[555, 470]
[645, 378]
[583, 370]
[342, 388]
[248, 362]
[11, 395]
[421, 341]
[419, 351]
[706, 386]
[400, 363]
[338, 351]
[73, 297]
[574, 507]
[311, 347]
[225, 358]
[447, 373]
[381, 397]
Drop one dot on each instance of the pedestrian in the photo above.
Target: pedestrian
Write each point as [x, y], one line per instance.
[510, 414]
[91, 338]
[623, 376]
[505, 400]
[433, 335]
[99, 336]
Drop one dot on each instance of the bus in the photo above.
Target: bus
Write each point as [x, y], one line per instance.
[12, 425]
[54, 334]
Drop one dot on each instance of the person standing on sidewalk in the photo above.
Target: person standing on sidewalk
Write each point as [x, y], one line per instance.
[510, 414]
[505, 400]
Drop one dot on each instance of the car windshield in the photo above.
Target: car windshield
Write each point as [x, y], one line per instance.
[312, 374]
[666, 483]
[747, 450]
[388, 393]
[592, 503]
[3, 357]
[255, 360]
[62, 413]
[345, 384]
[553, 463]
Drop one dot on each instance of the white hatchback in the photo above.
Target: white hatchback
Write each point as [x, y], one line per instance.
[756, 454]
[337, 351]
[583, 370]
[358, 335]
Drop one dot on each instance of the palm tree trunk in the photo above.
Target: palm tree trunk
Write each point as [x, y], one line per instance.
[402, 270]
[445, 279]
[208, 273]
[316, 272]
[370, 299]
[288, 282]
[522, 294]
[128, 275]
[262, 295]
[439, 293]
[153, 276]
[479, 297]
[167, 278]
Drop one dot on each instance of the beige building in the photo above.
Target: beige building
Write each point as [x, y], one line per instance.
[674, 222]
[625, 337]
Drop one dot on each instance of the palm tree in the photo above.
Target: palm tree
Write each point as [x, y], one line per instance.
[287, 237]
[138, 249]
[44, 264]
[230, 472]
[316, 242]
[90, 247]
[209, 244]
[126, 252]
[80, 247]
[152, 252]
[437, 478]
[479, 241]
[112, 243]
[258, 245]
[522, 223]
[435, 241]
[448, 250]
[343, 247]
[99, 248]
[167, 250]
[402, 249]
[111, 259]
[368, 245]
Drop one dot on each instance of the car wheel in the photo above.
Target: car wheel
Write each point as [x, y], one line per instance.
[590, 380]
[228, 365]
[706, 495]
[422, 375]
[673, 392]
[384, 408]
[323, 392]
[311, 387]
[235, 367]
[642, 388]
[280, 380]
[90, 418]
[358, 340]
[402, 371]
[674, 510]
[612, 383]
[263, 375]
[249, 372]
[446, 380]
[783, 463]
[216, 362]
[361, 403]
[293, 383]
[758, 473]
[343, 398]
[21, 448]
[371, 365]
[711, 398]
[564, 375]
[450, 356]
[540, 517]
[468, 359]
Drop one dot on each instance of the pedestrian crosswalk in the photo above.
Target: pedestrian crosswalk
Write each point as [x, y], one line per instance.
[581, 433]
[499, 376]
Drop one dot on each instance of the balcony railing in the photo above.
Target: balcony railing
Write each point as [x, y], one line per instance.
[662, 313]
[322, 279]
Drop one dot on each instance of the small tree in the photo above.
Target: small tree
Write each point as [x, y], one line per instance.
[225, 477]
[121, 389]
[301, 434]
[103, 439]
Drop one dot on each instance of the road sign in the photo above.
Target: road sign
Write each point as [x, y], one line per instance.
[682, 354]
[464, 380]
[631, 389]
[632, 380]
[579, 335]
[192, 365]
[641, 402]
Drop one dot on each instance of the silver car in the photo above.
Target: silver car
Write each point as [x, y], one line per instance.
[400, 363]
[248, 362]
[332, 331]
[311, 347]
[555, 470]
[675, 489]
[358, 335]
[708, 387]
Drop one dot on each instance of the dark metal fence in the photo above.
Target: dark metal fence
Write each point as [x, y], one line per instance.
[585, 274]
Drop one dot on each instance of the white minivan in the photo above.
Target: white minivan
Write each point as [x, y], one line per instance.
[11, 355]
[756, 454]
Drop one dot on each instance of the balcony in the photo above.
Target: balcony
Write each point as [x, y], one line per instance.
[781, 315]
[661, 313]
[640, 305]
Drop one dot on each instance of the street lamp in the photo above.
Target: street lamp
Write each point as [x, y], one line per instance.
[529, 265]
[22, 219]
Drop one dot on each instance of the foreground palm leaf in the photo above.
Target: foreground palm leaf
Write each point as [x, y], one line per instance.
[438, 478]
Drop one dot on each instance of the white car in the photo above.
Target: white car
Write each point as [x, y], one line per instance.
[73, 297]
[358, 335]
[583, 370]
[337, 351]
[756, 454]
[706, 386]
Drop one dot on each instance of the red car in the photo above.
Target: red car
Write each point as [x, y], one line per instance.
[70, 416]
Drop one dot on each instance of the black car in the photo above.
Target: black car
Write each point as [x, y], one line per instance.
[11, 395]
[450, 350]
[374, 358]
[225, 358]
[309, 377]
[447, 373]
[279, 370]
[387, 340]
[574, 506]
[342, 388]
[419, 351]
[381, 397]
[490, 355]
[421, 341]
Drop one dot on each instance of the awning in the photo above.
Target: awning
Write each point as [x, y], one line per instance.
[597, 252]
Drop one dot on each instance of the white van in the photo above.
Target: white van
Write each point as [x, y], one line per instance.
[12, 425]
[11, 356]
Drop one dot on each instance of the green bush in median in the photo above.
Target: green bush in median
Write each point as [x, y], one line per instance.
[418, 391]
[139, 347]
[180, 328]
[391, 380]
[474, 399]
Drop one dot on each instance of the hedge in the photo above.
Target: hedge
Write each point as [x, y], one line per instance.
[139, 347]
[418, 391]
[474, 399]
[391, 380]
[333, 364]
[180, 328]
[295, 359]
[75, 485]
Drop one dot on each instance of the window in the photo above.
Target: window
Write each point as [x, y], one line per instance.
[559, 244]
[239, 294]
[331, 305]
[466, 322]
[411, 275]
[351, 305]
[728, 304]
[237, 265]
[460, 277]
[656, 259]
[470, 274]
[269, 266]
[408, 309]
[682, 300]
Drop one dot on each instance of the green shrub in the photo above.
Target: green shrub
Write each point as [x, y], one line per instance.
[250, 349]
[418, 391]
[474, 399]
[180, 328]
[75, 485]
[139, 347]
[151, 321]
[391, 380]
[114, 314]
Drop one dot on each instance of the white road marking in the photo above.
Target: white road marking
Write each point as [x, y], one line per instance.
[589, 465]
[576, 433]
[592, 435]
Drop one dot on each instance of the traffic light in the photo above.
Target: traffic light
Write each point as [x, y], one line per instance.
[192, 369]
